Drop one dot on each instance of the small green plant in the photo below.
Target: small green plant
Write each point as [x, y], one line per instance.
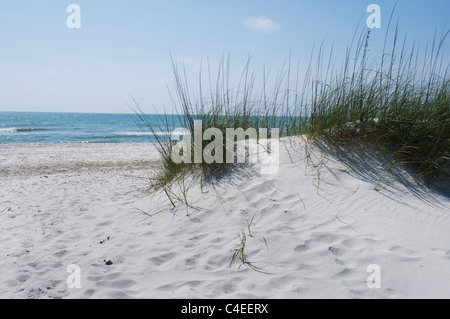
[249, 225]
[240, 255]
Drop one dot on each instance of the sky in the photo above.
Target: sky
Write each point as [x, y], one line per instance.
[124, 48]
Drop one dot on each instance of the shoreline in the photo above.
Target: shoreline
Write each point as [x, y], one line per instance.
[31, 159]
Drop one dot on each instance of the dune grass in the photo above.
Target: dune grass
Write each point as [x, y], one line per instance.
[403, 106]
[223, 108]
[399, 103]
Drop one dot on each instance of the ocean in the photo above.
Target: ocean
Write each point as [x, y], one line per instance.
[36, 127]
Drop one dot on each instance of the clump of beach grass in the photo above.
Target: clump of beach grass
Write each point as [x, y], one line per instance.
[403, 106]
[223, 108]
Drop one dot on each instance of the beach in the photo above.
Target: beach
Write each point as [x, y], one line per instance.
[58, 202]
[317, 228]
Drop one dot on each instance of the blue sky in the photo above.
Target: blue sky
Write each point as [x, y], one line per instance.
[123, 47]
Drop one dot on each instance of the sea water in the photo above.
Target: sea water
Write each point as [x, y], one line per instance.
[36, 127]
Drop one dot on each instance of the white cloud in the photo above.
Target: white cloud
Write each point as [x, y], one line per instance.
[261, 24]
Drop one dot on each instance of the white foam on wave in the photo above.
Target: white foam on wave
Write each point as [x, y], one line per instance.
[145, 133]
[8, 130]
[20, 130]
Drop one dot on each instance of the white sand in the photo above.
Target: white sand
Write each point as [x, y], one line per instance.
[59, 204]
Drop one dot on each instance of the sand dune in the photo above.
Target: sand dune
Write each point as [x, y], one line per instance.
[312, 229]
